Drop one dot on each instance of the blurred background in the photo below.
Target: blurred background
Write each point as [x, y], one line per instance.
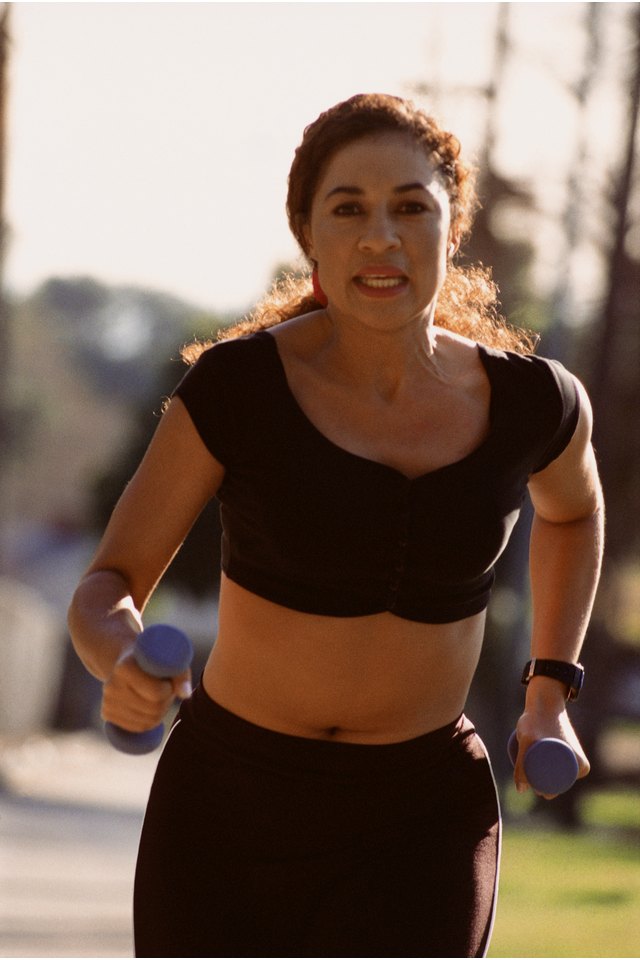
[144, 150]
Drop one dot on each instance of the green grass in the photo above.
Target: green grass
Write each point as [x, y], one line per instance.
[572, 895]
[613, 808]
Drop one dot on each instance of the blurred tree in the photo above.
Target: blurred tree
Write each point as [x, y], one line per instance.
[497, 240]
[610, 351]
[505, 204]
[86, 358]
[5, 344]
[559, 338]
[613, 344]
[195, 567]
[109, 330]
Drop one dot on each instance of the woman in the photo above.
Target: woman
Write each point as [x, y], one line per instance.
[322, 793]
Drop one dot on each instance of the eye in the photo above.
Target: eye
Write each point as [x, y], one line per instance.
[413, 207]
[348, 209]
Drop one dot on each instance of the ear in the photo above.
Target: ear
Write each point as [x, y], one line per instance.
[453, 243]
[308, 248]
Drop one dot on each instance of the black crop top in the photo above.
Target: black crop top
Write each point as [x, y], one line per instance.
[316, 528]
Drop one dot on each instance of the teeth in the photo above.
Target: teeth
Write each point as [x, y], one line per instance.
[380, 281]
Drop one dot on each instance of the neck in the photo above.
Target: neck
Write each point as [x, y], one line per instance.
[384, 358]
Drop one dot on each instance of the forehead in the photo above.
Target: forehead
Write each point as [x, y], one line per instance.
[384, 160]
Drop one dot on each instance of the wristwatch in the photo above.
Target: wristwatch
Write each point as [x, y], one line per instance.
[571, 674]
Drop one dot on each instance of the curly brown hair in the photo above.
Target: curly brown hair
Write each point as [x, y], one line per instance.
[468, 300]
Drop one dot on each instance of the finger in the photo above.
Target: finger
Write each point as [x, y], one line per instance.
[520, 779]
[517, 751]
[132, 712]
[584, 766]
[128, 677]
[182, 685]
[134, 703]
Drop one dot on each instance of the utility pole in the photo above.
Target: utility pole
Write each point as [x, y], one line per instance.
[5, 344]
[563, 297]
[501, 52]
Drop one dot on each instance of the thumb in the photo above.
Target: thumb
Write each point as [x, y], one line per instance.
[182, 686]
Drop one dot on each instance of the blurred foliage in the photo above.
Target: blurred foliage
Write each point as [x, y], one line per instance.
[117, 335]
[616, 402]
[496, 241]
[126, 341]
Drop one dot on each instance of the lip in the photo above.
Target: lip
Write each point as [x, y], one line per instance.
[392, 281]
[380, 270]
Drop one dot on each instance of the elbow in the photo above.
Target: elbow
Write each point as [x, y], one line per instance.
[589, 516]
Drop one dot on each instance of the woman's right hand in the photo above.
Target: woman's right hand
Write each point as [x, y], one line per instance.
[135, 701]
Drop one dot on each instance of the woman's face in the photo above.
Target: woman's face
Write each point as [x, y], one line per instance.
[379, 229]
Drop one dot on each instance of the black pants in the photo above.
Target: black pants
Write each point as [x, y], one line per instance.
[259, 844]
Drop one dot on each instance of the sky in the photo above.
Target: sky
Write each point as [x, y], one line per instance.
[149, 143]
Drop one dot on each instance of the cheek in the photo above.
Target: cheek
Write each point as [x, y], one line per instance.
[432, 246]
[326, 242]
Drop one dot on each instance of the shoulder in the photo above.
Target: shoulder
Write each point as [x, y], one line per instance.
[232, 349]
[525, 375]
[545, 377]
[541, 398]
[225, 363]
[220, 385]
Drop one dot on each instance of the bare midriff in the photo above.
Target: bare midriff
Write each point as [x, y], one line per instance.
[370, 679]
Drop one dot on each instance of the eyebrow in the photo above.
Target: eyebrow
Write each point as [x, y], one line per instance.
[357, 191]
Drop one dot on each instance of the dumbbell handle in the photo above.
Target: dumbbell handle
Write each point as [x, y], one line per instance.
[550, 765]
[164, 652]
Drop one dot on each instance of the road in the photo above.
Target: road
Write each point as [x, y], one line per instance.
[71, 810]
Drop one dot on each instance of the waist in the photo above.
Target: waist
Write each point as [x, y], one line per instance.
[373, 679]
[210, 721]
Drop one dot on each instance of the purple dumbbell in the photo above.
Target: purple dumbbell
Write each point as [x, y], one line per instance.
[550, 764]
[164, 652]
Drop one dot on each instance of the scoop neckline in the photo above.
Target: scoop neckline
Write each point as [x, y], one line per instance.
[484, 353]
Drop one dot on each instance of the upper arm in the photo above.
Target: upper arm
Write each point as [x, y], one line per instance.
[569, 487]
[174, 481]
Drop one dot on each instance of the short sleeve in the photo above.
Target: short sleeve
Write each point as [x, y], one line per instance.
[205, 391]
[565, 400]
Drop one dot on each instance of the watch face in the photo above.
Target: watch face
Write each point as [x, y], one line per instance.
[571, 674]
[578, 680]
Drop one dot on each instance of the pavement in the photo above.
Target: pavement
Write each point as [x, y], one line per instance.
[71, 809]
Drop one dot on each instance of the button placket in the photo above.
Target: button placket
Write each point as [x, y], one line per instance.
[401, 543]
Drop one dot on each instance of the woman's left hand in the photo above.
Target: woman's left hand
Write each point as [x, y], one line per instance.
[536, 725]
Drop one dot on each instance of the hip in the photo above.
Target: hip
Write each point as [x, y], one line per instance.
[262, 787]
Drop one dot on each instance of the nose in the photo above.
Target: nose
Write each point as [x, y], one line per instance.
[379, 233]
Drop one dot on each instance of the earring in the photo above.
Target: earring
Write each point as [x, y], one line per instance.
[318, 292]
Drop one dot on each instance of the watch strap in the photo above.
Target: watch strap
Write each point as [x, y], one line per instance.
[571, 674]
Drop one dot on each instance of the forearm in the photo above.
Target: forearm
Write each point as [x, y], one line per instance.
[565, 567]
[565, 560]
[103, 621]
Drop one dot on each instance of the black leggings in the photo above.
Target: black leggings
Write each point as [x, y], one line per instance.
[260, 844]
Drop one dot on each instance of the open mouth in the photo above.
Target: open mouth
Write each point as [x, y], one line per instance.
[381, 282]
